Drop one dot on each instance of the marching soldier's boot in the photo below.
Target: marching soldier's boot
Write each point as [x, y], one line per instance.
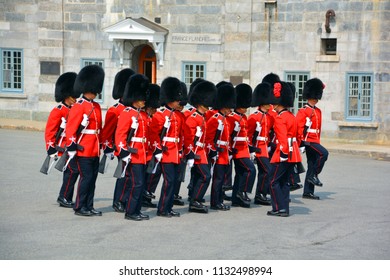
[196, 206]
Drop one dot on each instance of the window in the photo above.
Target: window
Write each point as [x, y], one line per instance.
[298, 79]
[328, 46]
[192, 71]
[359, 96]
[11, 75]
[100, 62]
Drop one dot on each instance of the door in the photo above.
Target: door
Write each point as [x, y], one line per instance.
[147, 63]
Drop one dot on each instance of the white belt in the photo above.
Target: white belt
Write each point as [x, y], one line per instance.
[294, 139]
[223, 143]
[199, 144]
[90, 131]
[312, 130]
[261, 138]
[138, 139]
[171, 139]
[240, 139]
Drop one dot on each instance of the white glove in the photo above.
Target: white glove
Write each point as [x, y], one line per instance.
[220, 125]
[308, 122]
[252, 156]
[110, 156]
[127, 158]
[134, 124]
[167, 122]
[236, 126]
[269, 149]
[230, 157]
[198, 132]
[158, 157]
[190, 163]
[84, 122]
[302, 149]
[54, 155]
[72, 154]
[63, 123]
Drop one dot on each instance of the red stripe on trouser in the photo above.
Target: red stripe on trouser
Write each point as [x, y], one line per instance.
[165, 187]
[273, 196]
[247, 177]
[319, 159]
[204, 179]
[78, 187]
[131, 191]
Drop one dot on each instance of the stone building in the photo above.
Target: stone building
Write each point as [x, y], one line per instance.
[344, 43]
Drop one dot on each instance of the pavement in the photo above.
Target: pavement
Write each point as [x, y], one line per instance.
[379, 152]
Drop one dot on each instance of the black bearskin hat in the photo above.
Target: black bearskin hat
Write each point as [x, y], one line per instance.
[120, 82]
[262, 95]
[64, 86]
[153, 97]
[313, 89]
[89, 79]
[226, 97]
[137, 87]
[221, 83]
[283, 94]
[244, 96]
[171, 90]
[271, 78]
[203, 93]
[193, 84]
[184, 99]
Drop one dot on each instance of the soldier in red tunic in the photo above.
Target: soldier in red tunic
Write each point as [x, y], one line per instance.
[287, 153]
[245, 171]
[131, 143]
[85, 123]
[55, 134]
[217, 141]
[260, 124]
[166, 137]
[108, 133]
[309, 120]
[195, 131]
[151, 179]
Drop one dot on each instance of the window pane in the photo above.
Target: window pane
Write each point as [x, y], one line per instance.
[12, 69]
[193, 71]
[359, 96]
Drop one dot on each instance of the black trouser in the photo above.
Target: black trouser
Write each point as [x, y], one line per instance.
[69, 179]
[88, 168]
[316, 156]
[201, 177]
[245, 174]
[219, 172]
[169, 172]
[280, 191]
[153, 179]
[135, 188]
[263, 175]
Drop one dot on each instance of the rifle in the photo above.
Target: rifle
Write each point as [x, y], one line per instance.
[64, 160]
[46, 166]
[120, 171]
[183, 167]
[217, 139]
[152, 166]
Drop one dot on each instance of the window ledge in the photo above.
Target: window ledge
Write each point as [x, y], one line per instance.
[328, 58]
[359, 124]
[13, 96]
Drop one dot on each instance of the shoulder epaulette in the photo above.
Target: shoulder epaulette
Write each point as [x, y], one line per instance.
[81, 100]
[59, 106]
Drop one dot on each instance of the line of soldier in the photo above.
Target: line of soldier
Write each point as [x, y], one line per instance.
[152, 137]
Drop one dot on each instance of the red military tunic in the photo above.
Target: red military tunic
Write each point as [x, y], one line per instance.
[266, 123]
[224, 139]
[189, 112]
[110, 123]
[190, 129]
[90, 135]
[240, 142]
[286, 131]
[181, 115]
[172, 140]
[315, 116]
[139, 140]
[209, 114]
[53, 124]
[150, 148]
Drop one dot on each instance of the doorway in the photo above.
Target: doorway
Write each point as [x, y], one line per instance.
[147, 63]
